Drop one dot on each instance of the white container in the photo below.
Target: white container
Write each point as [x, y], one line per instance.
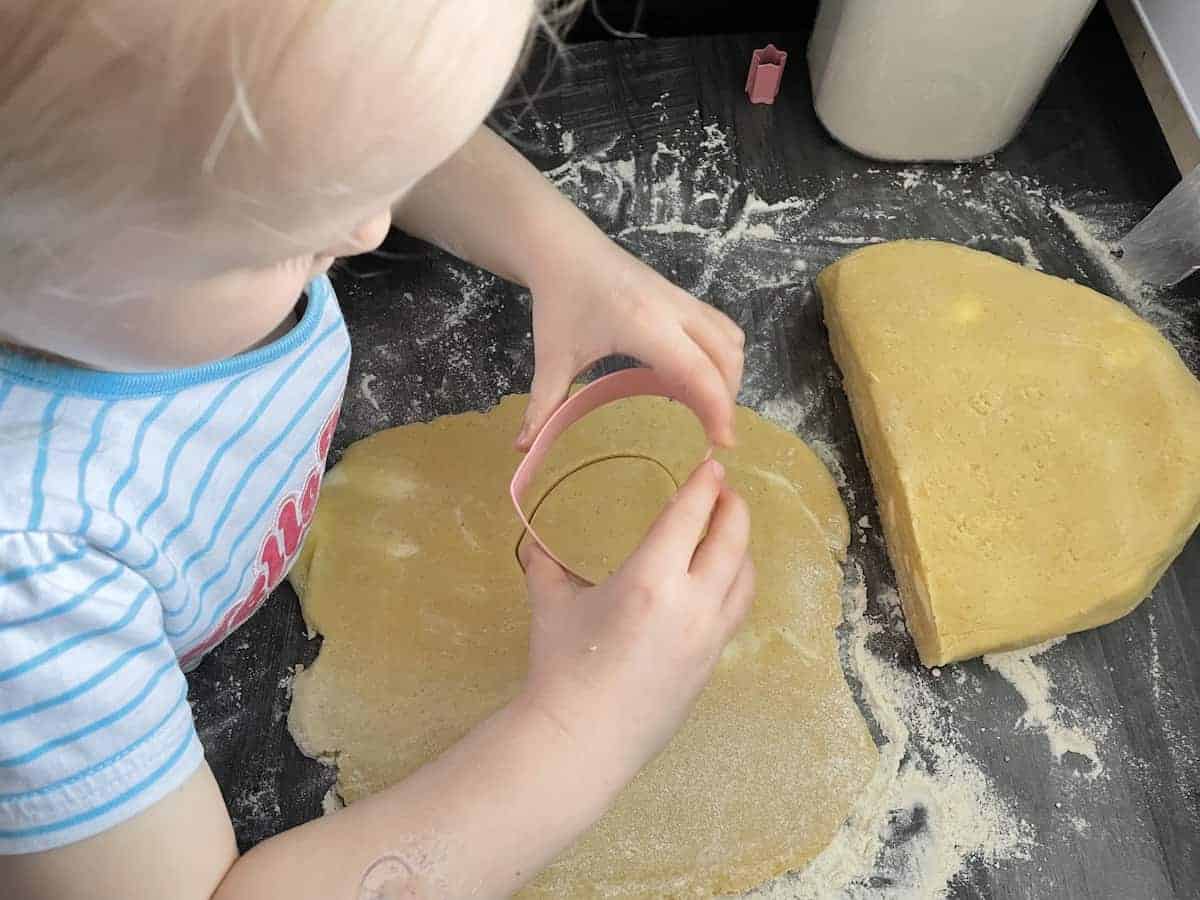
[935, 79]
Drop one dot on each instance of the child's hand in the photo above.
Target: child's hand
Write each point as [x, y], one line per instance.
[604, 302]
[618, 666]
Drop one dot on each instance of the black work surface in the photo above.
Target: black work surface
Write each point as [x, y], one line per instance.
[422, 351]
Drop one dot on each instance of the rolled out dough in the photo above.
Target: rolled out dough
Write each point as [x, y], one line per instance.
[409, 572]
[1034, 444]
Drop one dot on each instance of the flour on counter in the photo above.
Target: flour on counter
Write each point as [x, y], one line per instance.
[893, 610]
[1103, 252]
[829, 456]
[331, 802]
[1033, 682]
[786, 412]
[1181, 745]
[929, 809]
[364, 388]
[453, 365]
[1030, 255]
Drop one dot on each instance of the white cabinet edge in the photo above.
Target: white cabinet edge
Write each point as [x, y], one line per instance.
[1160, 65]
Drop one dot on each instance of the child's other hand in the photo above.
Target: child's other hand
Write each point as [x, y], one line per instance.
[618, 666]
[604, 302]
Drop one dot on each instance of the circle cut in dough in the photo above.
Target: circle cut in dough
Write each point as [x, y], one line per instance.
[596, 516]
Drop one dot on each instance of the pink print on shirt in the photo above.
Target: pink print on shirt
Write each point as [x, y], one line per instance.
[279, 546]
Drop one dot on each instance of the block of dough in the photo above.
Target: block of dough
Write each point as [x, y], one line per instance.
[410, 573]
[1034, 445]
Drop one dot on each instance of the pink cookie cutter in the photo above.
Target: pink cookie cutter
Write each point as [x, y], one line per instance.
[601, 392]
[766, 71]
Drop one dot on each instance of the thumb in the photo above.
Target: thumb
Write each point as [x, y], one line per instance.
[549, 389]
[542, 574]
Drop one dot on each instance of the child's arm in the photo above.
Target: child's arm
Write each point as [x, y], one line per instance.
[488, 205]
[181, 848]
[613, 672]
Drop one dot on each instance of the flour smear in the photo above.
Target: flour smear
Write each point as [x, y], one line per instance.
[1036, 688]
[929, 810]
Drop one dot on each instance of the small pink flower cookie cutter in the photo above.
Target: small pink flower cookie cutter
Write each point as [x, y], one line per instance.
[766, 72]
[601, 392]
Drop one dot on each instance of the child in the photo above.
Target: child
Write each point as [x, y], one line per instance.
[173, 176]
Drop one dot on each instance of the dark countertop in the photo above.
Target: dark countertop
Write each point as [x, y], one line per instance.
[743, 205]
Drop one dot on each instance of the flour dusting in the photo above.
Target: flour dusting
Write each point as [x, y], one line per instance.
[829, 456]
[1030, 257]
[1181, 745]
[331, 802]
[1035, 686]
[786, 412]
[1102, 251]
[364, 388]
[929, 809]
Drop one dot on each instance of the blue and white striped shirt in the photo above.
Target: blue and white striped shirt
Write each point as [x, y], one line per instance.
[142, 518]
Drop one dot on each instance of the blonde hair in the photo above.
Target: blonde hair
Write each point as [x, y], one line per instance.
[84, 81]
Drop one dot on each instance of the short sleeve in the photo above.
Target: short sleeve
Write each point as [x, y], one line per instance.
[94, 720]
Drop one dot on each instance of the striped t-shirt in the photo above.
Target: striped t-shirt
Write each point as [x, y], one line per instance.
[142, 518]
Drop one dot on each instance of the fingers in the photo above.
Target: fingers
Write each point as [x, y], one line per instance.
[740, 598]
[719, 557]
[542, 574]
[673, 537]
[551, 381]
[729, 328]
[714, 339]
[694, 379]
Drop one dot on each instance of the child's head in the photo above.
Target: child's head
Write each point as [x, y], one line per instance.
[157, 155]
